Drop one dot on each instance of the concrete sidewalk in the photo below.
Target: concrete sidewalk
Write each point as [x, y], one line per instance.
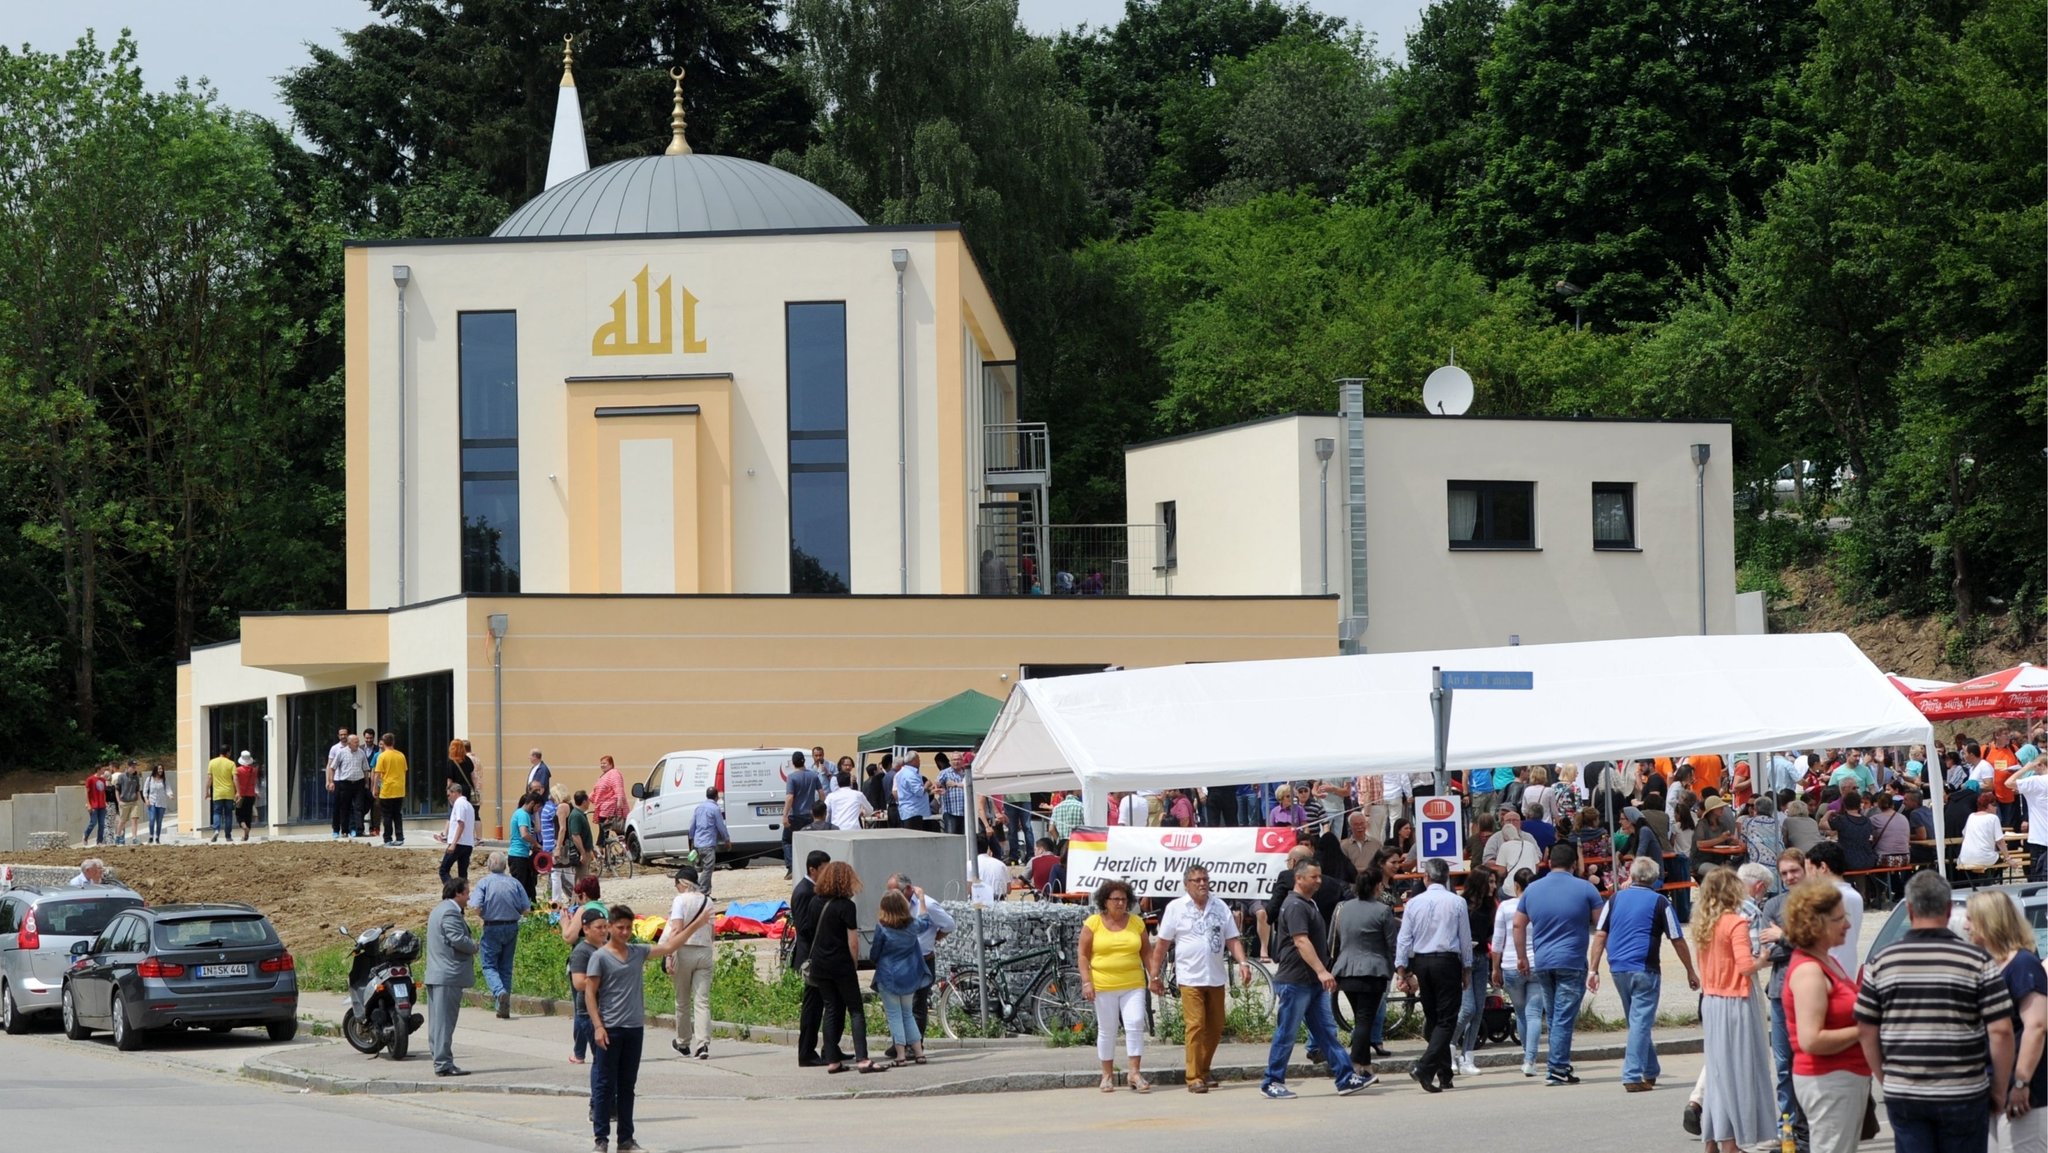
[530, 1055]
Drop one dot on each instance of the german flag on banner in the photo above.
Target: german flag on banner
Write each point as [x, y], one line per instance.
[1088, 841]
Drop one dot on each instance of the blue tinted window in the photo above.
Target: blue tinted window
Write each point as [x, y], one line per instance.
[820, 549]
[489, 369]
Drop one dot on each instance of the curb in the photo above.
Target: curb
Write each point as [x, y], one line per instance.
[1388, 1068]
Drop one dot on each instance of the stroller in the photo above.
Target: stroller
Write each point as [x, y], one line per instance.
[1497, 1024]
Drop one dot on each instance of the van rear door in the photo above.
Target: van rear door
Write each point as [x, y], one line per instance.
[756, 786]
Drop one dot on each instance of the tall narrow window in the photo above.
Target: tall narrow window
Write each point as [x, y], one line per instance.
[1169, 533]
[1614, 515]
[488, 358]
[820, 536]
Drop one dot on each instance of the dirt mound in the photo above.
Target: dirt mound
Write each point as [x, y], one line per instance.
[1908, 646]
[306, 888]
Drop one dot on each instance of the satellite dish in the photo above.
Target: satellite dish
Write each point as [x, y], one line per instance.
[1448, 391]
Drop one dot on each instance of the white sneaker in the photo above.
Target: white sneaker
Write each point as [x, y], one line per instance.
[1528, 1068]
[1467, 1067]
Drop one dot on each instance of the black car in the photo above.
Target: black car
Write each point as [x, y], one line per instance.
[181, 966]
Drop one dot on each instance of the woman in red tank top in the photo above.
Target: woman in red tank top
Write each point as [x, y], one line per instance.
[1830, 1078]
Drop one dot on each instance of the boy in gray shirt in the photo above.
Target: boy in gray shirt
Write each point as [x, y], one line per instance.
[596, 931]
[614, 994]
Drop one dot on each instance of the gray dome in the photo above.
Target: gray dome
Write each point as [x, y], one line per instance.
[654, 194]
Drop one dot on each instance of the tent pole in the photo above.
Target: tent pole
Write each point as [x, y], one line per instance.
[1934, 784]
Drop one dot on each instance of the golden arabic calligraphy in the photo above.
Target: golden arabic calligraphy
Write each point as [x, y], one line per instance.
[616, 338]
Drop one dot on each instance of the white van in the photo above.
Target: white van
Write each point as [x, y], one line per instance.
[752, 785]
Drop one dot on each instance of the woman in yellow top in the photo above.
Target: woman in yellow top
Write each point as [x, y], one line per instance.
[391, 771]
[1114, 976]
[1740, 1108]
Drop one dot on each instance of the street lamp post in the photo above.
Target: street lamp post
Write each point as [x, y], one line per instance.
[499, 622]
[1700, 453]
[1326, 447]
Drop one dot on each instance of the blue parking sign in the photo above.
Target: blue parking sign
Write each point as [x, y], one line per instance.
[1440, 831]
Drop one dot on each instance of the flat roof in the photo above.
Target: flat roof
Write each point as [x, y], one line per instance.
[1180, 436]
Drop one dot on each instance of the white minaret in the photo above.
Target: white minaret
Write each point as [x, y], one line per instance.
[567, 155]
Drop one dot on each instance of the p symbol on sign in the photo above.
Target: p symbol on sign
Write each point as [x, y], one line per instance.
[1438, 840]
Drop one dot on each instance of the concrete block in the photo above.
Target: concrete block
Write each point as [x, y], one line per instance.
[70, 814]
[935, 862]
[6, 826]
[33, 813]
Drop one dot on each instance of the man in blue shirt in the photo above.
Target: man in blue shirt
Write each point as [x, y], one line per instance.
[805, 790]
[1631, 932]
[952, 796]
[708, 835]
[1553, 927]
[913, 802]
[502, 901]
[1479, 789]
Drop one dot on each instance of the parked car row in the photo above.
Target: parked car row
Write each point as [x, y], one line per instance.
[97, 958]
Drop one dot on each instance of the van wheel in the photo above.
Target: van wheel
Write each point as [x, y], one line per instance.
[633, 847]
[11, 1020]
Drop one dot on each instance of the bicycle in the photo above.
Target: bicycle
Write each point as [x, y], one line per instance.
[1250, 1003]
[614, 858]
[1051, 1003]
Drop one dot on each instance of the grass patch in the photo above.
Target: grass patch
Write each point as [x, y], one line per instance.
[540, 968]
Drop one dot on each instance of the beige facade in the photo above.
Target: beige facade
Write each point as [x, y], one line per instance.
[658, 363]
[636, 677]
[654, 457]
[1247, 501]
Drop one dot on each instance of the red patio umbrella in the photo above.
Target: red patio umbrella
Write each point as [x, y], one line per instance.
[2019, 690]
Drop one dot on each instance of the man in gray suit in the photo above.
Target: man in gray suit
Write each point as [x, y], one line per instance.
[450, 969]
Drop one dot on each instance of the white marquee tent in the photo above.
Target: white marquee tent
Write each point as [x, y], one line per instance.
[1251, 721]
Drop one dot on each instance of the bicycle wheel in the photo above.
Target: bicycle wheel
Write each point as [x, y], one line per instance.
[960, 1010]
[1057, 1006]
[1251, 1007]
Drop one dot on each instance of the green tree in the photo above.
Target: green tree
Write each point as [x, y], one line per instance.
[143, 373]
[1430, 135]
[1622, 136]
[440, 86]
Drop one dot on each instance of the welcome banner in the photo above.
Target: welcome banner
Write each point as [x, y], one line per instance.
[1242, 862]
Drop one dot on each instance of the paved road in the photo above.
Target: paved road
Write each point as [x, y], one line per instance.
[170, 1102]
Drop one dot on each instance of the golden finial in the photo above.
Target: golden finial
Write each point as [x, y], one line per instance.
[568, 59]
[677, 146]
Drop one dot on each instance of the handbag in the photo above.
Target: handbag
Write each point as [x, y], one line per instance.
[1869, 1118]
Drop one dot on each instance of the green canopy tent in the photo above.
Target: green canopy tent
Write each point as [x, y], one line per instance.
[959, 722]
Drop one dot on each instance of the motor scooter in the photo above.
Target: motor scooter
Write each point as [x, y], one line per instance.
[381, 991]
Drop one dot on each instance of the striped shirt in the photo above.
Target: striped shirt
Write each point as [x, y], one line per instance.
[1929, 994]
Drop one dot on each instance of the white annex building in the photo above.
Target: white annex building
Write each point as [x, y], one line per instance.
[1451, 531]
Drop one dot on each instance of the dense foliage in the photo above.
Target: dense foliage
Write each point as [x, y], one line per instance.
[1822, 220]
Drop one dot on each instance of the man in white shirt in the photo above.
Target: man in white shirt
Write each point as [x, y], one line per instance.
[1825, 859]
[992, 877]
[2032, 787]
[460, 837]
[1199, 929]
[846, 808]
[347, 764]
[1399, 790]
[1981, 769]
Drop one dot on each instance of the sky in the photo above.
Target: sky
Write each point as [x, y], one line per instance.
[243, 46]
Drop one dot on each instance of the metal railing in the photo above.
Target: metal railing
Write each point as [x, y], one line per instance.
[1022, 447]
[1081, 559]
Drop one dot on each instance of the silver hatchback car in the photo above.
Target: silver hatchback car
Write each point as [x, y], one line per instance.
[38, 927]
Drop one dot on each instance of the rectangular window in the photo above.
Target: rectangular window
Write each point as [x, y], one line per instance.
[1169, 535]
[487, 354]
[421, 710]
[1614, 516]
[820, 515]
[1492, 514]
[310, 723]
[239, 726]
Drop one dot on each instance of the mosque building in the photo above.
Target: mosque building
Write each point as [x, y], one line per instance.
[684, 455]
